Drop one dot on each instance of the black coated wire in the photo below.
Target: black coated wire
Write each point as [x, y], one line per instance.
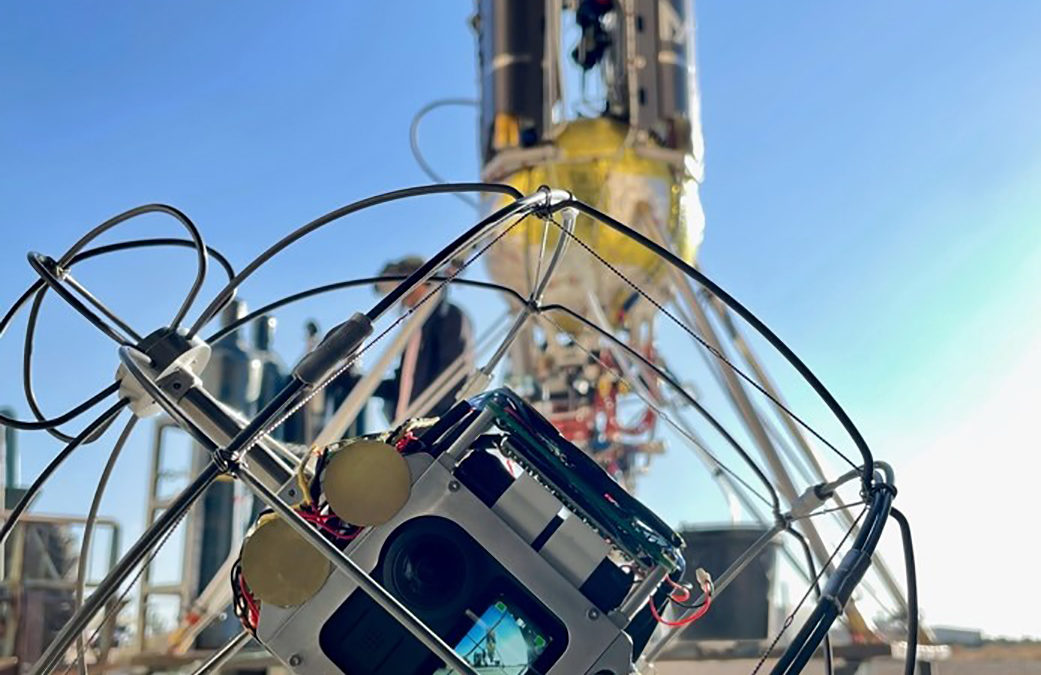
[88, 529]
[413, 141]
[911, 659]
[438, 260]
[829, 664]
[40, 289]
[327, 288]
[813, 584]
[185, 221]
[840, 585]
[752, 319]
[350, 283]
[775, 503]
[34, 490]
[104, 250]
[72, 414]
[116, 605]
[27, 376]
[220, 299]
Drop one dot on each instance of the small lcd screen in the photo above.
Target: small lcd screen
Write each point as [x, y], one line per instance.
[501, 641]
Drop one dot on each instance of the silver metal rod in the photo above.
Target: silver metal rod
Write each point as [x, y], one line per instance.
[719, 585]
[224, 654]
[450, 376]
[124, 568]
[810, 453]
[479, 381]
[348, 567]
[536, 293]
[644, 590]
[362, 391]
[455, 452]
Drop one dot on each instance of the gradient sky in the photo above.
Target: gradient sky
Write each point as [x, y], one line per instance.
[872, 192]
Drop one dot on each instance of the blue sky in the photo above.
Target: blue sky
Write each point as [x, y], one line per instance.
[871, 192]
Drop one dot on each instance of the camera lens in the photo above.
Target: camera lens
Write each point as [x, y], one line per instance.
[427, 571]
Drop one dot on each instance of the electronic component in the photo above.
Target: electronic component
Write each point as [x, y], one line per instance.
[513, 545]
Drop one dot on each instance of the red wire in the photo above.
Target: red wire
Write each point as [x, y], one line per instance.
[685, 592]
[320, 522]
[254, 611]
[690, 619]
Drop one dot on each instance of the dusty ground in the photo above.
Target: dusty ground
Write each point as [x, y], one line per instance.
[1020, 660]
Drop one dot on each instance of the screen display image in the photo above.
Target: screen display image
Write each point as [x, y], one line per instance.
[501, 641]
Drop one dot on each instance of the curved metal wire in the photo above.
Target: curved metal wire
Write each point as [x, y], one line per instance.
[544, 203]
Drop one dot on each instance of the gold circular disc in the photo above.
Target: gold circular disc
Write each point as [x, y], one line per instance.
[280, 566]
[366, 482]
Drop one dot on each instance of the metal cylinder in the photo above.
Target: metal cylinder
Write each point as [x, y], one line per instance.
[511, 41]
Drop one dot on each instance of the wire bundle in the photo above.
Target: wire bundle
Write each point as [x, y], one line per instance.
[681, 595]
[54, 275]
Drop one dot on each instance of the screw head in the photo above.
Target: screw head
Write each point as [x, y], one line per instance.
[593, 614]
[453, 486]
[295, 660]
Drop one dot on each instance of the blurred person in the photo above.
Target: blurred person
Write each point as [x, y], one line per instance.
[445, 337]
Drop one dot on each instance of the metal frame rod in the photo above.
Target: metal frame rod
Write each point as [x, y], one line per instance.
[719, 585]
[123, 569]
[352, 571]
[450, 376]
[642, 592]
[483, 376]
[364, 388]
[224, 654]
[809, 452]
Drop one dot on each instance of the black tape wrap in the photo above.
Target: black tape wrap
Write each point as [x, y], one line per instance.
[338, 344]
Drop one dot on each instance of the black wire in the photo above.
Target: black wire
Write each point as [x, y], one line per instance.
[150, 243]
[840, 585]
[116, 605]
[327, 288]
[220, 299]
[103, 250]
[48, 269]
[350, 283]
[910, 660]
[775, 502]
[413, 140]
[688, 605]
[24, 425]
[829, 664]
[27, 376]
[193, 232]
[33, 491]
[791, 616]
[439, 259]
[756, 323]
[40, 289]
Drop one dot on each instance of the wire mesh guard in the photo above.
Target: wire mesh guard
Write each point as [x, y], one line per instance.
[585, 365]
